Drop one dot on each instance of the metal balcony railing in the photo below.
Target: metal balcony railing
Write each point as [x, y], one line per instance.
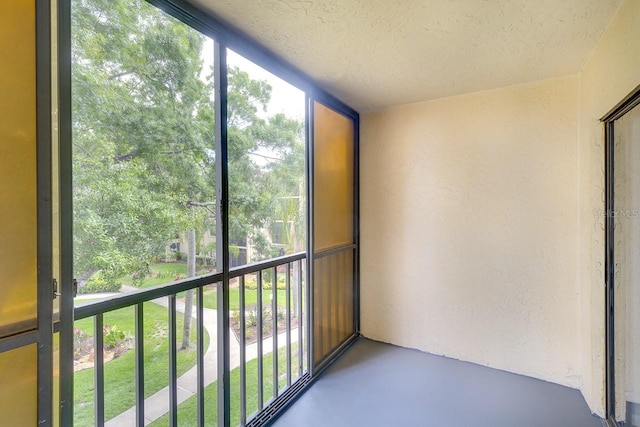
[284, 384]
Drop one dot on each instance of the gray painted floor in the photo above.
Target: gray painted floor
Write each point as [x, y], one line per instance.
[376, 384]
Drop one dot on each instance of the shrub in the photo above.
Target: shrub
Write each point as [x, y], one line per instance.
[266, 285]
[98, 285]
[250, 284]
[202, 261]
[112, 336]
[251, 317]
[79, 340]
[281, 285]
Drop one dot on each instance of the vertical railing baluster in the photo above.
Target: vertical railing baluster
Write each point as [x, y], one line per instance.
[300, 320]
[337, 304]
[173, 374]
[98, 369]
[200, 355]
[315, 308]
[332, 289]
[139, 336]
[274, 328]
[329, 303]
[259, 337]
[319, 311]
[346, 300]
[243, 356]
[325, 274]
[287, 297]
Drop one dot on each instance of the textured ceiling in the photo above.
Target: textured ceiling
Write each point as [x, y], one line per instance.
[379, 53]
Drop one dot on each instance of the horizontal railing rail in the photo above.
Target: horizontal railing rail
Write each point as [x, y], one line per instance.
[334, 250]
[143, 295]
[128, 299]
[264, 265]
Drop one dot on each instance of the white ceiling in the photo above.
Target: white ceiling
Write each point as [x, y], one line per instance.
[380, 53]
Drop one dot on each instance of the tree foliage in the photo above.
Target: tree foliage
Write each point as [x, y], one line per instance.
[144, 140]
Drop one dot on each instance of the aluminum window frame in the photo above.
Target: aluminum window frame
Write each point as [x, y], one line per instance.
[225, 37]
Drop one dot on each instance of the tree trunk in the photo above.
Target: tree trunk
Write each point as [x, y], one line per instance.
[296, 274]
[84, 277]
[167, 254]
[296, 290]
[298, 245]
[188, 299]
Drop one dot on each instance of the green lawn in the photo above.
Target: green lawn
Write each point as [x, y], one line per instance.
[119, 374]
[187, 411]
[165, 272]
[161, 272]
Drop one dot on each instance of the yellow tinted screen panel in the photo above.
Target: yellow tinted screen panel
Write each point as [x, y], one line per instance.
[18, 376]
[17, 166]
[333, 161]
[333, 316]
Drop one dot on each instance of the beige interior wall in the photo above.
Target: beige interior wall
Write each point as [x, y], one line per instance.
[612, 72]
[469, 228]
[470, 244]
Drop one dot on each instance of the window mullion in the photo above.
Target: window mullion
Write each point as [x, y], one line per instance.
[222, 233]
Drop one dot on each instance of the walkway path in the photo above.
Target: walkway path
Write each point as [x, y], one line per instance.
[156, 405]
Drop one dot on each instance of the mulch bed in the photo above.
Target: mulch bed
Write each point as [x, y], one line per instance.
[84, 356]
[251, 328]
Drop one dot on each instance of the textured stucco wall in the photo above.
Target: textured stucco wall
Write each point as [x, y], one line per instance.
[469, 228]
[612, 72]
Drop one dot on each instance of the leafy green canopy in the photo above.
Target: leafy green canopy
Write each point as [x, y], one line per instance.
[144, 140]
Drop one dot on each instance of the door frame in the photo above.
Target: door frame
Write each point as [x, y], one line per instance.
[627, 104]
[313, 97]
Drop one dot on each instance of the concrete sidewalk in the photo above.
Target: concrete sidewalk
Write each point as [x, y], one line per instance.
[156, 405]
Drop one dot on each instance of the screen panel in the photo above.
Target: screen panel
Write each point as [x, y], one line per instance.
[333, 162]
[144, 189]
[144, 198]
[266, 144]
[18, 376]
[17, 167]
[333, 302]
[333, 230]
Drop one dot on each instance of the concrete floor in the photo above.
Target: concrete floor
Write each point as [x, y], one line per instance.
[377, 384]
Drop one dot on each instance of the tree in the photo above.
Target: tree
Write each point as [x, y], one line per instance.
[142, 131]
[144, 142]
